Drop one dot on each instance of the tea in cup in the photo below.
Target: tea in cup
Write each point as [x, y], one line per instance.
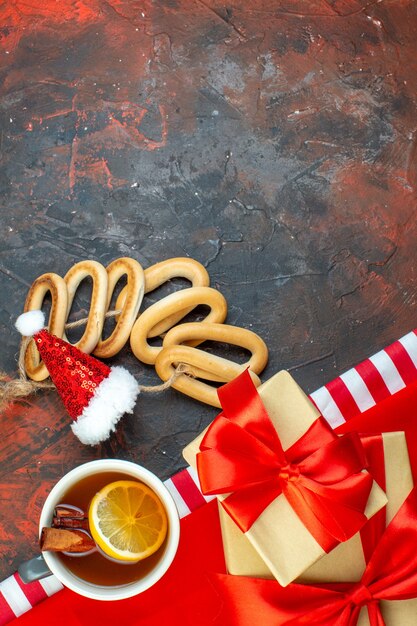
[96, 506]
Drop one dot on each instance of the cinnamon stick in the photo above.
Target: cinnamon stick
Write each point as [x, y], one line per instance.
[68, 516]
[61, 510]
[65, 540]
[70, 522]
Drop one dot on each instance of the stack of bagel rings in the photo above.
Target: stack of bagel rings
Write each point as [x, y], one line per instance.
[161, 319]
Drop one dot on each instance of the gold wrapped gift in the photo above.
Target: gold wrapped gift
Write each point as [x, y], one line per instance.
[346, 562]
[278, 538]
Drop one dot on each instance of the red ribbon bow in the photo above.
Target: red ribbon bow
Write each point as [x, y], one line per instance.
[391, 574]
[320, 475]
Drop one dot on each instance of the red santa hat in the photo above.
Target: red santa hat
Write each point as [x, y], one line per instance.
[94, 394]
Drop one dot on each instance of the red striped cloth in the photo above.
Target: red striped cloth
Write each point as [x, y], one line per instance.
[352, 393]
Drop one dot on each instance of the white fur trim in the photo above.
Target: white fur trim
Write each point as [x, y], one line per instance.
[30, 323]
[115, 396]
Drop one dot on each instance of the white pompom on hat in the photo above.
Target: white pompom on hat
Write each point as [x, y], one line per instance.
[30, 323]
[94, 394]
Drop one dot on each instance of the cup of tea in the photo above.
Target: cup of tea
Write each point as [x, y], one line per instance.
[95, 573]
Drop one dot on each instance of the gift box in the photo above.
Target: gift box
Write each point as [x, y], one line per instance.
[390, 576]
[278, 535]
[347, 561]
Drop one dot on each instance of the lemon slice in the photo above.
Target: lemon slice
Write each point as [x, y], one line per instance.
[127, 520]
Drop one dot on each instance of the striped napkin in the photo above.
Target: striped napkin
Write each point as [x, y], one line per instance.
[352, 393]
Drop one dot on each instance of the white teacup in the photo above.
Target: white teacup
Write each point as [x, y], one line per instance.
[58, 567]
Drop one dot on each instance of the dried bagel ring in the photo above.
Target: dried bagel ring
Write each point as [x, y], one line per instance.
[135, 289]
[198, 361]
[97, 311]
[55, 285]
[160, 273]
[177, 301]
[222, 333]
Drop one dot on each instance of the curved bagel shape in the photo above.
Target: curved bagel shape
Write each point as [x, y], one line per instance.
[198, 361]
[96, 314]
[56, 286]
[159, 311]
[160, 273]
[222, 333]
[135, 289]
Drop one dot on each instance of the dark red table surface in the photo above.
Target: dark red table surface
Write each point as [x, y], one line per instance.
[273, 141]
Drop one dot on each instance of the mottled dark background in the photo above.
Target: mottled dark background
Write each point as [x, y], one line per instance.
[274, 141]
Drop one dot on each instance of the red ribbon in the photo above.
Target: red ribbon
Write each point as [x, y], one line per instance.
[320, 475]
[374, 528]
[391, 574]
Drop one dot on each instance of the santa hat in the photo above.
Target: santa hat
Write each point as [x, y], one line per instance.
[94, 394]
